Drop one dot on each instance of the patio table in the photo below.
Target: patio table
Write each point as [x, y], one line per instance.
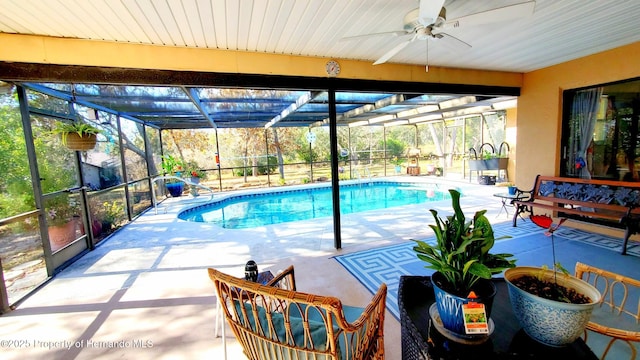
[508, 340]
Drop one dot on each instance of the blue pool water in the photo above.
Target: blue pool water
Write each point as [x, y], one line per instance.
[247, 211]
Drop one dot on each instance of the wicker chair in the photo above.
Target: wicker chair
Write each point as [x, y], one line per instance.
[285, 279]
[619, 306]
[274, 323]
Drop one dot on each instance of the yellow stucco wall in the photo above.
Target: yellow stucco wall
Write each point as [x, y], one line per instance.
[510, 137]
[540, 105]
[51, 50]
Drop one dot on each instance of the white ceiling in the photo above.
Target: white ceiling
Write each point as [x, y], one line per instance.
[558, 31]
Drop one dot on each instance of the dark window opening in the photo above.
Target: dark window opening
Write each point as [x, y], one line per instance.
[600, 132]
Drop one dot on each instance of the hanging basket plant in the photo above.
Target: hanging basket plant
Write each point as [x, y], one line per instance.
[80, 142]
[78, 136]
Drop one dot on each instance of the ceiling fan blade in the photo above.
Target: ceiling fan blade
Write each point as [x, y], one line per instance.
[491, 16]
[391, 53]
[358, 37]
[453, 42]
[429, 11]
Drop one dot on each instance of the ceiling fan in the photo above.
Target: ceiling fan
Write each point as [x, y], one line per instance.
[430, 21]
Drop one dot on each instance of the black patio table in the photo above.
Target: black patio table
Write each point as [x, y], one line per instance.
[508, 340]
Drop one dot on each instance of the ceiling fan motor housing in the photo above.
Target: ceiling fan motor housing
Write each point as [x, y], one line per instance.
[412, 20]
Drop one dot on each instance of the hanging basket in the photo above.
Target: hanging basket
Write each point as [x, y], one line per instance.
[80, 143]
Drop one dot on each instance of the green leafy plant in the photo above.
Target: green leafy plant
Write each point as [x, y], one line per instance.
[487, 155]
[171, 165]
[79, 127]
[113, 211]
[461, 253]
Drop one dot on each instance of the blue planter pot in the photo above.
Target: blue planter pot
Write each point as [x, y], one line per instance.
[450, 306]
[175, 189]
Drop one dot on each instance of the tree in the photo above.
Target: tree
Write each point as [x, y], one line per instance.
[395, 148]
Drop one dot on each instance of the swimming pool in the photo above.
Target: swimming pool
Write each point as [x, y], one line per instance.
[247, 211]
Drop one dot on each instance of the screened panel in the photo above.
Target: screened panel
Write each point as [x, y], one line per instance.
[23, 260]
[56, 163]
[134, 150]
[153, 141]
[494, 130]
[47, 103]
[107, 211]
[15, 183]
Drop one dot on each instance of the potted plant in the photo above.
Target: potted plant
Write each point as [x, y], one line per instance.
[62, 220]
[489, 160]
[511, 187]
[173, 166]
[462, 262]
[77, 135]
[552, 306]
[196, 175]
[194, 171]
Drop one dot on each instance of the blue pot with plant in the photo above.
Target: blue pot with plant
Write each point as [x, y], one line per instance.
[463, 264]
[175, 188]
[173, 167]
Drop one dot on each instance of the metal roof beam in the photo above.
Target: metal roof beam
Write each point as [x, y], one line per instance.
[193, 95]
[304, 99]
[389, 100]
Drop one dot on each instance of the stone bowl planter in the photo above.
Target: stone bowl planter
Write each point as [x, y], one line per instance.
[550, 322]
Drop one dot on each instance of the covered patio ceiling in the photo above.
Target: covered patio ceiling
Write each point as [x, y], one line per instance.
[185, 107]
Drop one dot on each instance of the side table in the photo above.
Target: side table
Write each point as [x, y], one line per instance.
[508, 341]
[507, 197]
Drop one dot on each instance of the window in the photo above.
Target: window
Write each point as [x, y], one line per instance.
[601, 132]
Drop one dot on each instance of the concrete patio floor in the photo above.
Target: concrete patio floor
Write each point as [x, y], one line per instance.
[144, 293]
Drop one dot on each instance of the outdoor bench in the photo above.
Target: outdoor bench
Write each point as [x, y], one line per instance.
[603, 202]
